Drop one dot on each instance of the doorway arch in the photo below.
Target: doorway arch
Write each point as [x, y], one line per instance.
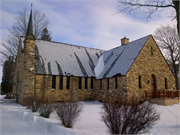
[153, 82]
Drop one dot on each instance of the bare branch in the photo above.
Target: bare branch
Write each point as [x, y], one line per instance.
[19, 28]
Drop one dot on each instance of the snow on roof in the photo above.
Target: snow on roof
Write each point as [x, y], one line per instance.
[118, 61]
[64, 59]
[70, 60]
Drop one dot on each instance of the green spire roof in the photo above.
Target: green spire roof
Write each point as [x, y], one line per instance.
[30, 25]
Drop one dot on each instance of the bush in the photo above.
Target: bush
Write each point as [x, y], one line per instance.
[31, 103]
[45, 109]
[129, 117]
[68, 112]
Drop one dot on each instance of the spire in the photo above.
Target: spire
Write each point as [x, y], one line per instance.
[30, 25]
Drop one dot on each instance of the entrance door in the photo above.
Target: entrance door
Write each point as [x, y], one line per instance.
[153, 82]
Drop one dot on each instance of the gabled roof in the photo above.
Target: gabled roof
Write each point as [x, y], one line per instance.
[118, 61]
[64, 59]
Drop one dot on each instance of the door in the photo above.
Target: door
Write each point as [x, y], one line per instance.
[153, 82]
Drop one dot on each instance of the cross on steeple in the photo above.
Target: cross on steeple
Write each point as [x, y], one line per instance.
[30, 25]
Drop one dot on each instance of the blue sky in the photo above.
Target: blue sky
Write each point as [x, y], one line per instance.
[90, 23]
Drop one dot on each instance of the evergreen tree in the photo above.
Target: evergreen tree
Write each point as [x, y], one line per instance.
[45, 35]
[7, 78]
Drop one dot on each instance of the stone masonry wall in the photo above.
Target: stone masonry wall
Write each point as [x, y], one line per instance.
[44, 89]
[24, 77]
[149, 62]
[112, 93]
[18, 79]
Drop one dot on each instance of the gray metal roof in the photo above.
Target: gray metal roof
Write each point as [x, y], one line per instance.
[118, 61]
[64, 59]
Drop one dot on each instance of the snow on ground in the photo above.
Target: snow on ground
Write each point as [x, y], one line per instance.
[16, 119]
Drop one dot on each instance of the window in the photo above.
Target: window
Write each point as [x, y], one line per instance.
[53, 82]
[107, 83]
[140, 85]
[165, 80]
[101, 84]
[68, 82]
[151, 50]
[61, 82]
[92, 83]
[80, 80]
[86, 83]
[116, 82]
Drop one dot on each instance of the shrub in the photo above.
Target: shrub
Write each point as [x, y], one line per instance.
[129, 117]
[31, 103]
[68, 112]
[45, 109]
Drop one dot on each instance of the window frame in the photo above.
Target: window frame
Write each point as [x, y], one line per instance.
[86, 83]
[61, 78]
[100, 84]
[53, 84]
[116, 82]
[92, 83]
[165, 81]
[68, 82]
[107, 83]
[80, 83]
[140, 81]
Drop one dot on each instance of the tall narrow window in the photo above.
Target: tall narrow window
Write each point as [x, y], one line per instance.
[53, 82]
[80, 85]
[61, 82]
[101, 84]
[86, 83]
[116, 82]
[151, 50]
[165, 80]
[92, 83]
[107, 83]
[140, 85]
[68, 82]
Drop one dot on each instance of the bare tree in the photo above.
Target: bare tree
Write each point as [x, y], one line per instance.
[168, 41]
[19, 28]
[68, 112]
[149, 7]
[127, 117]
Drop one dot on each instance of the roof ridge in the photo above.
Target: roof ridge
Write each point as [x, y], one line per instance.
[129, 42]
[67, 44]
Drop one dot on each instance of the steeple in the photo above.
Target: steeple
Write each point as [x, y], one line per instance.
[30, 25]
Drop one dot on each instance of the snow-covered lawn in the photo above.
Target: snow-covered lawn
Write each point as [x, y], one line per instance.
[16, 119]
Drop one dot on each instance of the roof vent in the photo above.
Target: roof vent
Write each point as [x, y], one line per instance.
[124, 41]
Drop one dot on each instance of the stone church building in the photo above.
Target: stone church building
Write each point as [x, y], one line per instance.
[59, 72]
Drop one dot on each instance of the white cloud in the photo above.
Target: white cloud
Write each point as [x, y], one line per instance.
[89, 23]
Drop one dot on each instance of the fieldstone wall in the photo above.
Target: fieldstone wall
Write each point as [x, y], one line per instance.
[44, 89]
[114, 94]
[149, 62]
[18, 79]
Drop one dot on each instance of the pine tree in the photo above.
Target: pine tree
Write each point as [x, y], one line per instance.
[45, 35]
[7, 78]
